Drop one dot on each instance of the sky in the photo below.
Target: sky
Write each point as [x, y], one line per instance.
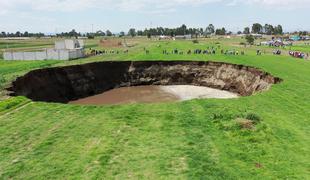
[54, 16]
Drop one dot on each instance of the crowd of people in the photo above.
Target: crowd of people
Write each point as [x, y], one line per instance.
[94, 52]
[207, 51]
[277, 52]
[195, 51]
[297, 54]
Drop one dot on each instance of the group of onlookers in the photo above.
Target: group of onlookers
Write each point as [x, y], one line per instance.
[277, 52]
[94, 52]
[297, 54]
[210, 51]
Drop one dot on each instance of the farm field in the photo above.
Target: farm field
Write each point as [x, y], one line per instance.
[196, 139]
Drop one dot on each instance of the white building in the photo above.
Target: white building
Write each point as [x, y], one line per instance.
[187, 36]
[64, 50]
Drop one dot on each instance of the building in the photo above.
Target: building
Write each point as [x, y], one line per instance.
[163, 37]
[257, 36]
[305, 38]
[295, 38]
[63, 50]
[188, 36]
[16, 38]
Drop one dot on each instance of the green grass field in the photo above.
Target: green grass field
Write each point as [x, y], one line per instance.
[197, 139]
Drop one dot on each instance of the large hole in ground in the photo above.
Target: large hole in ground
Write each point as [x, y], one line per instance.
[151, 81]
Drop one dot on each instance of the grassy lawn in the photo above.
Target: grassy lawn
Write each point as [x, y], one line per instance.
[197, 139]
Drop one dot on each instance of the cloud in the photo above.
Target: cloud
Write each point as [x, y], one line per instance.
[143, 6]
[287, 4]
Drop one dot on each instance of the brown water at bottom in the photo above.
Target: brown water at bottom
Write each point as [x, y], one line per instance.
[127, 95]
[154, 94]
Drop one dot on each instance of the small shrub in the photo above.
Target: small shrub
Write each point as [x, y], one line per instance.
[216, 116]
[245, 123]
[253, 117]
[2, 82]
[250, 39]
[91, 37]
[242, 43]
[195, 41]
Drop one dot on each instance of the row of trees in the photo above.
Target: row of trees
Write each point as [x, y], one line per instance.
[21, 34]
[182, 30]
[267, 29]
[73, 33]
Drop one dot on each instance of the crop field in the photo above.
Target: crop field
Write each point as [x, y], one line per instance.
[196, 139]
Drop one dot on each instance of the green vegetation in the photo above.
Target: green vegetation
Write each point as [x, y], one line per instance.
[250, 39]
[197, 139]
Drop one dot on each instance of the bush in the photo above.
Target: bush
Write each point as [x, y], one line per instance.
[2, 82]
[250, 39]
[91, 37]
[195, 41]
[253, 117]
[242, 43]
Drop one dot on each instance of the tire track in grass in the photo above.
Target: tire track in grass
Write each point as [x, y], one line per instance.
[202, 153]
[145, 150]
[109, 161]
[22, 156]
[17, 108]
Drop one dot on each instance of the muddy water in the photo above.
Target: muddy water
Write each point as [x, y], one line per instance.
[153, 94]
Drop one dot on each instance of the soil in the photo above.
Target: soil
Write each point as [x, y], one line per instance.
[110, 43]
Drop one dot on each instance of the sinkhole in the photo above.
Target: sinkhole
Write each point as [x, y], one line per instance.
[122, 82]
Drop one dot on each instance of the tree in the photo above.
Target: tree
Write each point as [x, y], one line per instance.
[18, 34]
[140, 33]
[73, 33]
[3, 34]
[26, 34]
[257, 28]
[220, 31]
[302, 33]
[246, 30]
[250, 39]
[132, 32]
[268, 29]
[201, 31]
[90, 36]
[210, 29]
[121, 34]
[239, 32]
[183, 29]
[99, 33]
[278, 30]
[149, 35]
[109, 33]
